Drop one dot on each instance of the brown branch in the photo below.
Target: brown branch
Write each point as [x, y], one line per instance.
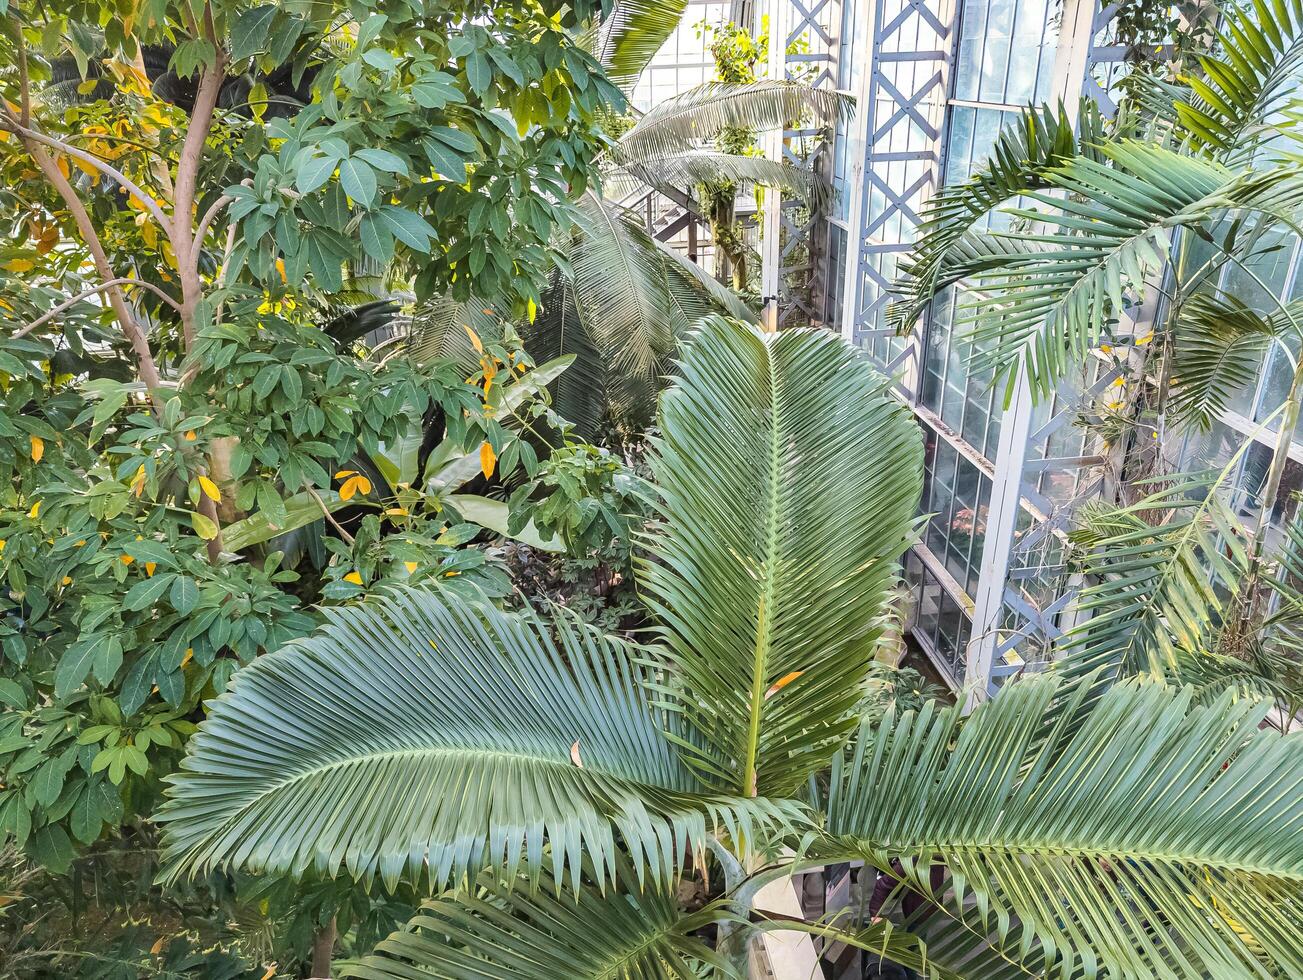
[204, 222]
[122, 281]
[146, 199]
[185, 242]
[147, 368]
[325, 511]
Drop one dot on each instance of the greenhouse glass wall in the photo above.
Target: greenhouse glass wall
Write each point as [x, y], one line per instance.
[934, 82]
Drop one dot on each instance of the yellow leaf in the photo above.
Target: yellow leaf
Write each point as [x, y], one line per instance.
[411, 566]
[488, 459]
[20, 265]
[348, 489]
[158, 943]
[36, 509]
[280, 269]
[126, 559]
[210, 489]
[1141, 341]
[533, 310]
[353, 577]
[62, 164]
[138, 481]
[271, 972]
[782, 682]
[38, 448]
[2, 544]
[190, 436]
[86, 88]
[363, 484]
[475, 339]
[149, 568]
[67, 580]
[189, 655]
[343, 474]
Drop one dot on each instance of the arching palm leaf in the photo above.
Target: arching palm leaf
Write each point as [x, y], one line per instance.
[680, 123]
[426, 736]
[1218, 353]
[692, 167]
[790, 478]
[1045, 310]
[1020, 160]
[632, 34]
[1157, 566]
[1140, 836]
[1244, 87]
[495, 931]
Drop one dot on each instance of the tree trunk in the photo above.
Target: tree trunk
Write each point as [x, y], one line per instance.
[323, 945]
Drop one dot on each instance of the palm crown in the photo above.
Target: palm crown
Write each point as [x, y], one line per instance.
[548, 783]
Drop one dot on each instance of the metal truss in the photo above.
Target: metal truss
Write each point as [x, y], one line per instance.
[803, 46]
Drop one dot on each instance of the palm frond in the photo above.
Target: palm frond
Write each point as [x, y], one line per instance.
[1157, 567]
[680, 123]
[1044, 310]
[1136, 836]
[437, 330]
[579, 395]
[1019, 161]
[1219, 348]
[632, 33]
[1247, 83]
[623, 304]
[691, 167]
[790, 478]
[685, 276]
[500, 930]
[431, 737]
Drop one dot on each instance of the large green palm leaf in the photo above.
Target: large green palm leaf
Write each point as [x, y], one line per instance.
[1044, 309]
[497, 931]
[632, 33]
[790, 478]
[1136, 836]
[1019, 161]
[683, 121]
[426, 736]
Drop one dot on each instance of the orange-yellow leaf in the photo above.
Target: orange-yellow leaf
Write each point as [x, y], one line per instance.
[475, 338]
[38, 448]
[149, 568]
[488, 459]
[210, 489]
[36, 509]
[353, 577]
[190, 436]
[782, 682]
[348, 489]
[411, 566]
[158, 945]
[280, 269]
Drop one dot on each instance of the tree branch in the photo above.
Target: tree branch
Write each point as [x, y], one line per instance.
[122, 281]
[146, 199]
[185, 242]
[147, 368]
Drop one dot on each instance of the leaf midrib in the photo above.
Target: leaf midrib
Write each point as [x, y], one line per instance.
[764, 611]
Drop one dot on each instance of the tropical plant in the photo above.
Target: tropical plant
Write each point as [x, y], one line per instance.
[1192, 178]
[193, 196]
[565, 777]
